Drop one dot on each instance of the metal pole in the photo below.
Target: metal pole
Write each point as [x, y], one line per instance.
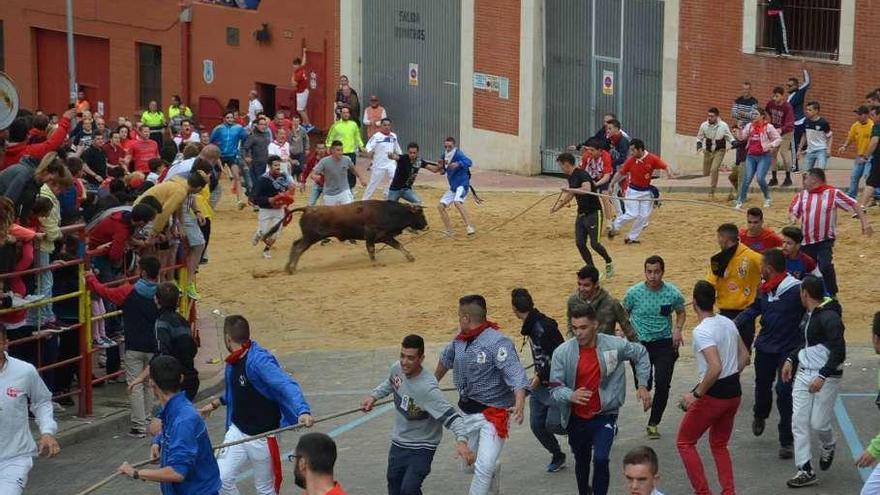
[71, 59]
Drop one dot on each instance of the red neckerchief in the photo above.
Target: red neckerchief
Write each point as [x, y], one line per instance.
[770, 285]
[185, 135]
[236, 355]
[820, 189]
[499, 418]
[759, 127]
[470, 335]
[279, 143]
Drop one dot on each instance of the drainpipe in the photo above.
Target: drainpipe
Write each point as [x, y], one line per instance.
[185, 24]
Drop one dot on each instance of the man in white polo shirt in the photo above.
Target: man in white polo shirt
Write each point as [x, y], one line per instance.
[384, 148]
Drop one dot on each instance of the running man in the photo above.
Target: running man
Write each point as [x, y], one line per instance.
[588, 222]
[860, 135]
[273, 193]
[798, 263]
[712, 404]
[596, 161]
[816, 209]
[229, 136]
[348, 133]
[418, 428]
[650, 305]
[491, 385]
[23, 391]
[816, 148]
[816, 367]
[335, 169]
[589, 384]
[755, 235]
[639, 200]
[544, 337]
[408, 166]
[457, 167]
[641, 468]
[259, 397]
[613, 319]
[384, 148]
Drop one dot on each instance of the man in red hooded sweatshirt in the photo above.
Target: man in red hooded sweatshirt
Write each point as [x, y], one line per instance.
[18, 145]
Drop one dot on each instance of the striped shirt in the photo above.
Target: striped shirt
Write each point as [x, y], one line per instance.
[817, 210]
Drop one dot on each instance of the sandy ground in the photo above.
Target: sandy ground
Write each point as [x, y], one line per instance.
[338, 299]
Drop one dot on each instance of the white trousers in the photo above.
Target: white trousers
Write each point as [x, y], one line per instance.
[635, 210]
[484, 440]
[267, 218]
[233, 460]
[872, 485]
[14, 474]
[812, 412]
[377, 176]
[342, 198]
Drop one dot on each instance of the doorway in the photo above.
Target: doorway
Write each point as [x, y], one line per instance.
[266, 94]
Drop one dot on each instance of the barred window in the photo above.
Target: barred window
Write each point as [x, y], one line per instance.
[811, 28]
[149, 74]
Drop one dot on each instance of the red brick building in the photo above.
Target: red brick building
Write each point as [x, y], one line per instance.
[127, 56]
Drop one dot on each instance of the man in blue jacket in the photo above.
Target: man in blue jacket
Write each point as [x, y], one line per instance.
[457, 167]
[229, 136]
[260, 396]
[779, 306]
[183, 448]
[588, 380]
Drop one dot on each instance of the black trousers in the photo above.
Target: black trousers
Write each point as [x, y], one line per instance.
[823, 253]
[780, 33]
[768, 367]
[663, 356]
[746, 331]
[589, 225]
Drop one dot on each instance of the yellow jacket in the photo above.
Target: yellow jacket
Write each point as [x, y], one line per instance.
[738, 287]
[171, 195]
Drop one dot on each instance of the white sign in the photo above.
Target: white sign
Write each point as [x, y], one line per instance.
[413, 74]
[608, 83]
[208, 71]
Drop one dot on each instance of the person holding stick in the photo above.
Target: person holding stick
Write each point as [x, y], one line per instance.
[183, 448]
[260, 396]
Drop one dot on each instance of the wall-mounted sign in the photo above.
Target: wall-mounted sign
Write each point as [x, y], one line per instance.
[413, 74]
[495, 84]
[608, 83]
[208, 71]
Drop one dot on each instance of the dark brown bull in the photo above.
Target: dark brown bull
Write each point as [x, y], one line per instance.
[372, 221]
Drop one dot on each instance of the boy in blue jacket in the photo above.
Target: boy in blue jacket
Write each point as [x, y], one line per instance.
[779, 306]
[260, 396]
[457, 167]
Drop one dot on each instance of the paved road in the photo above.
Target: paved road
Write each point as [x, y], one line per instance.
[337, 381]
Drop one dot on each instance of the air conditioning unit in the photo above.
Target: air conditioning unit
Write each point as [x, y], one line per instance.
[262, 35]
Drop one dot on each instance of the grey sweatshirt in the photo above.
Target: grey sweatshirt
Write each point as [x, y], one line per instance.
[422, 410]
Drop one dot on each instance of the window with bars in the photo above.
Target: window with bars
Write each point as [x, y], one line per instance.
[807, 28]
[149, 74]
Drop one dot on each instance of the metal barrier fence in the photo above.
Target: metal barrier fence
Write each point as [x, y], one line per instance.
[85, 353]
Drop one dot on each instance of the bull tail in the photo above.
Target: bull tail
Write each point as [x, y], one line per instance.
[288, 215]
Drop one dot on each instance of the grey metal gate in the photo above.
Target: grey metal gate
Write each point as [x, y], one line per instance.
[412, 61]
[602, 56]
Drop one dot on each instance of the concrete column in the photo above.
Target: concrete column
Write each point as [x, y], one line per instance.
[350, 40]
[673, 146]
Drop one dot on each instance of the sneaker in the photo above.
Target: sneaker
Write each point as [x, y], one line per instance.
[192, 293]
[66, 401]
[738, 206]
[612, 232]
[557, 463]
[27, 299]
[471, 230]
[758, 426]
[826, 457]
[447, 234]
[801, 479]
[108, 343]
[786, 452]
[266, 254]
[136, 433]
[767, 203]
[653, 432]
[609, 270]
[773, 182]
[631, 241]
[786, 182]
[57, 407]
[256, 238]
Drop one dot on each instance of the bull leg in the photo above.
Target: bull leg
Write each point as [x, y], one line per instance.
[296, 250]
[398, 246]
[370, 238]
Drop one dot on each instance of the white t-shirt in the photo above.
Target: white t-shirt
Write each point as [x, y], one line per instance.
[254, 107]
[380, 145]
[183, 167]
[721, 332]
[193, 138]
[22, 389]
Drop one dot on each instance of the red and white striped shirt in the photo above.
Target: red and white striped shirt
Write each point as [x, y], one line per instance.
[817, 210]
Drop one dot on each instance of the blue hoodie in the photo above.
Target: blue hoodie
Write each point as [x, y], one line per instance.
[460, 176]
[781, 312]
[272, 382]
[186, 448]
[228, 138]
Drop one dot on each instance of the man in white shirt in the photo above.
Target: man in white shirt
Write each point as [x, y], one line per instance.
[254, 107]
[21, 386]
[712, 404]
[187, 134]
[384, 148]
[641, 468]
[713, 139]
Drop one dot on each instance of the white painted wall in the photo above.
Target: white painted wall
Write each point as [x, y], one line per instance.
[350, 36]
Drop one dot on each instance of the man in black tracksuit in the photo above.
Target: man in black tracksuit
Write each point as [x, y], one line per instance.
[544, 416]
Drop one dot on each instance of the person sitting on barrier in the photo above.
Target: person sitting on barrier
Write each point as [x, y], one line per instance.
[139, 315]
[183, 448]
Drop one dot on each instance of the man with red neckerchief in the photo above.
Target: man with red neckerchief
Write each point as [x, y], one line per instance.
[490, 380]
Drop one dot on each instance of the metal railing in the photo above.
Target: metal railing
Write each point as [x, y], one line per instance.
[85, 353]
[812, 28]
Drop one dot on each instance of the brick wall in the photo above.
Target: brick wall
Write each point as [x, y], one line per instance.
[496, 52]
[711, 67]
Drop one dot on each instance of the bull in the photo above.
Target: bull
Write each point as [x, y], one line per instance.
[373, 221]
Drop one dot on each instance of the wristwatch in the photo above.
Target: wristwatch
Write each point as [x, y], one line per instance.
[135, 475]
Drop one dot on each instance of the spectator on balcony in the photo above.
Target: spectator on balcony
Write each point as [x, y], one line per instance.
[155, 120]
[346, 96]
[777, 21]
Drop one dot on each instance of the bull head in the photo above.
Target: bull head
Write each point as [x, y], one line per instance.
[419, 222]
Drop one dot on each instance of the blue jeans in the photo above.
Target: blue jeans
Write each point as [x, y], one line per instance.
[768, 368]
[407, 194]
[407, 469]
[545, 420]
[756, 165]
[314, 193]
[818, 159]
[590, 441]
[860, 170]
[42, 314]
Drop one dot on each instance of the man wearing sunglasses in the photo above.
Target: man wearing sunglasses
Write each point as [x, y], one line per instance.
[797, 94]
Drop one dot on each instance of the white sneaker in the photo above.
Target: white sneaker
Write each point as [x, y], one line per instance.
[738, 206]
[267, 255]
[27, 299]
[767, 203]
[471, 230]
[57, 407]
